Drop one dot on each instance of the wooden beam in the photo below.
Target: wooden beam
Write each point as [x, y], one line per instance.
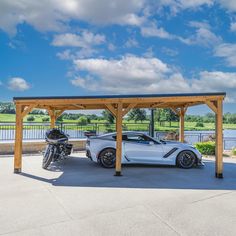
[219, 140]
[52, 115]
[18, 139]
[185, 109]
[53, 121]
[212, 106]
[27, 110]
[50, 110]
[181, 124]
[111, 109]
[125, 100]
[59, 113]
[79, 106]
[119, 118]
[126, 110]
[158, 104]
[175, 110]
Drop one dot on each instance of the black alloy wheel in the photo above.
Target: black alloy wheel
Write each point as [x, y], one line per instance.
[108, 158]
[186, 159]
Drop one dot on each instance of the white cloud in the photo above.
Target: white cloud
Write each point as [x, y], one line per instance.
[80, 82]
[149, 53]
[153, 31]
[85, 40]
[194, 3]
[131, 19]
[54, 15]
[66, 55]
[199, 24]
[130, 73]
[169, 51]
[233, 26]
[18, 84]
[178, 5]
[133, 74]
[128, 67]
[216, 81]
[228, 52]
[131, 42]
[203, 36]
[111, 47]
[81, 53]
[228, 4]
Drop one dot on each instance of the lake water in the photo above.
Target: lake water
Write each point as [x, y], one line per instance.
[229, 137]
[229, 133]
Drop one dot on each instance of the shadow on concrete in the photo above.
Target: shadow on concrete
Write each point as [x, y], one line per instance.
[81, 172]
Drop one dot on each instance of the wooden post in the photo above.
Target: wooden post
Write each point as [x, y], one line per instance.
[181, 124]
[119, 118]
[18, 139]
[53, 119]
[219, 140]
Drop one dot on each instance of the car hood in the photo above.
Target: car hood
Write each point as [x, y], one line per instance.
[177, 144]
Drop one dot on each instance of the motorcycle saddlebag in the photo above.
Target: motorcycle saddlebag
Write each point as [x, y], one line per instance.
[69, 148]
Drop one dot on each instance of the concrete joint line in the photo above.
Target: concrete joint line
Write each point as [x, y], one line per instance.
[162, 220]
[214, 196]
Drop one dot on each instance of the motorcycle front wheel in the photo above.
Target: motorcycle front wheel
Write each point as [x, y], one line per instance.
[47, 157]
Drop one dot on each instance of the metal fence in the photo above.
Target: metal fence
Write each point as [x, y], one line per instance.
[192, 137]
[32, 131]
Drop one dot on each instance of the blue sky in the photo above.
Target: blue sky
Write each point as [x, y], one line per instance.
[81, 47]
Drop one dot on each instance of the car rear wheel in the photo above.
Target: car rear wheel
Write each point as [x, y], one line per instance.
[186, 159]
[108, 158]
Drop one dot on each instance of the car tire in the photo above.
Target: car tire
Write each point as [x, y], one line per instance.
[186, 159]
[107, 158]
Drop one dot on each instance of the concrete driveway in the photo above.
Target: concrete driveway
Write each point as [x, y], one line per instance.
[79, 197]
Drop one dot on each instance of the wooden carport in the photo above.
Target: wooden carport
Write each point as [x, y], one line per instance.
[119, 106]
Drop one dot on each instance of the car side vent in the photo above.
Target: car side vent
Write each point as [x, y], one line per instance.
[170, 152]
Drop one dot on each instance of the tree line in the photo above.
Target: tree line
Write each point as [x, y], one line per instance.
[135, 115]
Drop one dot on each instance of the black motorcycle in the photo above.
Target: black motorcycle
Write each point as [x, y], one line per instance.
[57, 148]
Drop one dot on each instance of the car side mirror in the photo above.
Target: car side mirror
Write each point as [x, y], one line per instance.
[151, 143]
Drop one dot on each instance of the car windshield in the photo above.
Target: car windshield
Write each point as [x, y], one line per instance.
[138, 138]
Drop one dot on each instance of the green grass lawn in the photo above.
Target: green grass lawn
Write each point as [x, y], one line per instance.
[128, 125]
[12, 118]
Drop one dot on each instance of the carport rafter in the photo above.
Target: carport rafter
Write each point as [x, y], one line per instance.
[27, 110]
[54, 114]
[111, 108]
[119, 106]
[212, 106]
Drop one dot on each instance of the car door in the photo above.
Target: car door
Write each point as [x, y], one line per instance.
[139, 148]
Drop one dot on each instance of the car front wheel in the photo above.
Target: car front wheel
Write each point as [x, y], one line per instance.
[108, 158]
[186, 160]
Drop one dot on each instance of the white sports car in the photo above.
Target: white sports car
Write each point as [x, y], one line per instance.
[138, 148]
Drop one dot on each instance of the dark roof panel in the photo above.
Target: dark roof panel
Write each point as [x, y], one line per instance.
[124, 96]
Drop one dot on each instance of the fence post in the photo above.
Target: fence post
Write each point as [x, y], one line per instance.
[152, 124]
[96, 127]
